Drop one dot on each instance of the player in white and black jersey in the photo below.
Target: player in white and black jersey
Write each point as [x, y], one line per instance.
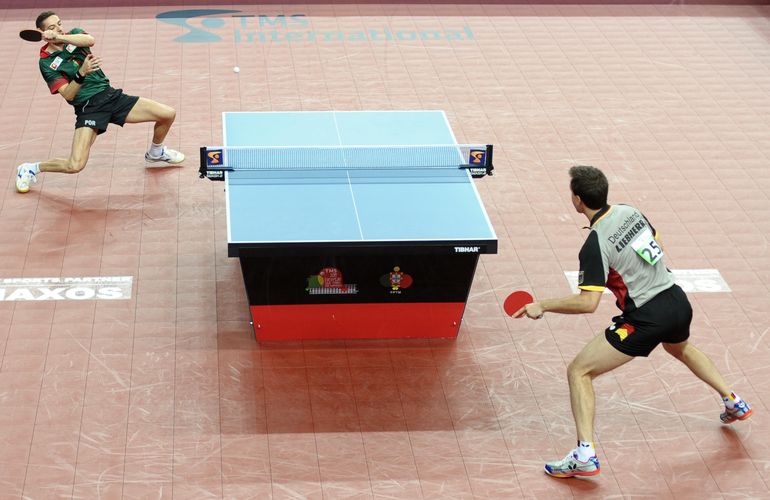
[622, 253]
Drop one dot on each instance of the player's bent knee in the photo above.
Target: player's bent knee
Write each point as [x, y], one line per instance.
[574, 370]
[167, 113]
[74, 166]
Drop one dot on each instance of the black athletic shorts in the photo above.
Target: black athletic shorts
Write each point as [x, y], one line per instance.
[665, 318]
[108, 106]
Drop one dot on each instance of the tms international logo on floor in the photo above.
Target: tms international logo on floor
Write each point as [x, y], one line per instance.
[220, 25]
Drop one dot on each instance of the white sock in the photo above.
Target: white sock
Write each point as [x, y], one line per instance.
[156, 150]
[731, 400]
[35, 168]
[585, 450]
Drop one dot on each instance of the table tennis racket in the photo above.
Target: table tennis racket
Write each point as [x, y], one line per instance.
[31, 35]
[516, 301]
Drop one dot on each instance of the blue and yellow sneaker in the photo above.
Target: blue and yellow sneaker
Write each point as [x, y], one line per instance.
[570, 466]
[742, 411]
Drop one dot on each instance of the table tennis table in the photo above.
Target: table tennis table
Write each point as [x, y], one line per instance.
[370, 244]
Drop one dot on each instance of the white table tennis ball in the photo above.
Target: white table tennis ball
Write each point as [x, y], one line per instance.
[236, 69]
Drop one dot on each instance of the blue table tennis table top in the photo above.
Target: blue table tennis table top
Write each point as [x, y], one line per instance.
[349, 207]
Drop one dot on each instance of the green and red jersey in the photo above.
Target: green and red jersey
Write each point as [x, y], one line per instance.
[58, 69]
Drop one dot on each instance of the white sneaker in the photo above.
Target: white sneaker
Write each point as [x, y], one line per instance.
[168, 156]
[571, 466]
[25, 175]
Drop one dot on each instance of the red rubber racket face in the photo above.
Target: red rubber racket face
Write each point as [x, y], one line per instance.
[516, 301]
[31, 35]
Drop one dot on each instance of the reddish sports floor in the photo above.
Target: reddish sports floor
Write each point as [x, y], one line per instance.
[161, 391]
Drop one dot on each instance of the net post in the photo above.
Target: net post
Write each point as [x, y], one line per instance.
[480, 169]
[212, 166]
[202, 169]
[489, 165]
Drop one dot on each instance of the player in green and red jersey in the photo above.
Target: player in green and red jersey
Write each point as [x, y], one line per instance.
[71, 70]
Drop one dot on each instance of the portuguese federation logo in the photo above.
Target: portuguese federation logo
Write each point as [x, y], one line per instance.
[396, 280]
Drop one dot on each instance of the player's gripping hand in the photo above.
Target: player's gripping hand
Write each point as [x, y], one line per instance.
[50, 35]
[90, 64]
[532, 311]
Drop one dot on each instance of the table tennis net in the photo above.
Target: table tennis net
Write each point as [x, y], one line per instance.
[215, 160]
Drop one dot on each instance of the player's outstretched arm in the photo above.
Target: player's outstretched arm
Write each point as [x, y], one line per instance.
[580, 303]
[78, 40]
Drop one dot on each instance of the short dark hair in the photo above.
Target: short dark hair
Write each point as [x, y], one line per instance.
[42, 17]
[590, 184]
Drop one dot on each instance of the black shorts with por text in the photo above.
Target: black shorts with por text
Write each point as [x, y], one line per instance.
[665, 318]
[108, 106]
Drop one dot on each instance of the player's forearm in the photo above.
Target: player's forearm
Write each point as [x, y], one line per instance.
[70, 91]
[78, 40]
[574, 304]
